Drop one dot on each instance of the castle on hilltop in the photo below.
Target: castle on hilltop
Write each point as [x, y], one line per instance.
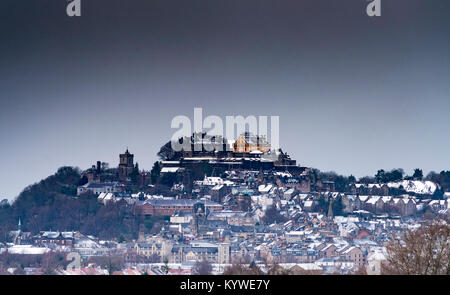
[100, 177]
[211, 153]
[247, 152]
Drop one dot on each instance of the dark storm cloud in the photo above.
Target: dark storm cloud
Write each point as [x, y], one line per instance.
[354, 94]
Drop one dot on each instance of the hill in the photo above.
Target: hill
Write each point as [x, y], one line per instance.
[52, 204]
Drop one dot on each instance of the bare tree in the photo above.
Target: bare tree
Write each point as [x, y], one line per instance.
[166, 152]
[278, 270]
[424, 251]
[202, 268]
[242, 267]
[110, 262]
[132, 257]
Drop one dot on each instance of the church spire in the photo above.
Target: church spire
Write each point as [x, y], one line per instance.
[330, 209]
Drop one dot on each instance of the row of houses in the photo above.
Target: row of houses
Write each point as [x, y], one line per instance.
[348, 253]
[402, 205]
[167, 207]
[384, 189]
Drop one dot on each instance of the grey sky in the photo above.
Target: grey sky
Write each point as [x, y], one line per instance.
[354, 94]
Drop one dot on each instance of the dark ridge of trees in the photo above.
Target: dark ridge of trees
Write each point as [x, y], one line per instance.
[166, 153]
[341, 183]
[443, 179]
[390, 176]
[367, 179]
[52, 204]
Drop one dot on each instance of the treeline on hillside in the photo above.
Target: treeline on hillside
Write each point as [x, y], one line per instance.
[52, 204]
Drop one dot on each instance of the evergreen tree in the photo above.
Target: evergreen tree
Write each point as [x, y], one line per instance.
[135, 175]
[418, 174]
[380, 176]
[155, 172]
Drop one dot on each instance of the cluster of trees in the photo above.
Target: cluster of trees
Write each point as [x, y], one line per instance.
[167, 180]
[49, 262]
[154, 224]
[341, 183]
[423, 251]
[134, 176]
[336, 205]
[111, 262]
[389, 176]
[155, 172]
[246, 268]
[242, 268]
[397, 175]
[442, 178]
[272, 215]
[52, 204]
[202, 268]
[166, 153]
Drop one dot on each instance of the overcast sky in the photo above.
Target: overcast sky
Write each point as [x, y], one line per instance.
[354, 94]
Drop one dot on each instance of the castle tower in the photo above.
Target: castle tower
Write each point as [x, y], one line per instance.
[141, 237]
[241, 145]
[126, 165]
[199, 216]
[223, 253]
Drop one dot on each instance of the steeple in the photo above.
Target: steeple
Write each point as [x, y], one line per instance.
[330, 209]
[19, 226]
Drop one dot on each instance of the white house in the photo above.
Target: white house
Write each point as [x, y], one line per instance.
[100, 187]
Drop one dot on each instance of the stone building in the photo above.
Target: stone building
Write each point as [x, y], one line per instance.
[126, 165]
